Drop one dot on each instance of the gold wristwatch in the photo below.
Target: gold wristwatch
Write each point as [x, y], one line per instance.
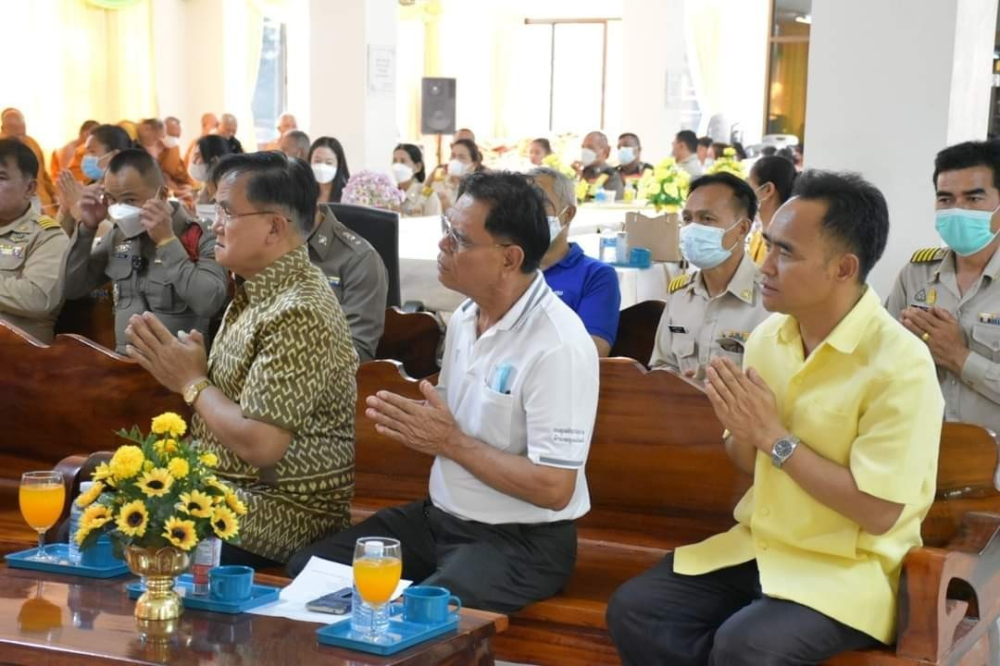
[192, 391]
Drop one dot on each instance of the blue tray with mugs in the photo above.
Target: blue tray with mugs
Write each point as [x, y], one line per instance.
[233, 601]
[95, 562]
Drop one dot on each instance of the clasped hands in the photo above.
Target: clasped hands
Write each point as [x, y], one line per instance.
[426, 426]
[942, 333]
[175, 362]
[744, 404]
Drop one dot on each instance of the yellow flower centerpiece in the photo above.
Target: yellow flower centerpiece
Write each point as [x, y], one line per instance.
[156, 499]
[729, 163]
[665, 187]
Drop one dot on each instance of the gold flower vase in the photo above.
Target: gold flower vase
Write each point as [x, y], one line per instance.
[160, 566]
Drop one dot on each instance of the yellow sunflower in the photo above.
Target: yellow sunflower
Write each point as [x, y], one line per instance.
[180, 533]
[156, 483]
[224, 523]
[126, 462]
[87, 498]
[209, 459]
[196, 503]
[234, 503]
[94, 516]
[169, 423]
[82, 532]
[102, 473]
[213, 482]
[178, 467]
[133, 519]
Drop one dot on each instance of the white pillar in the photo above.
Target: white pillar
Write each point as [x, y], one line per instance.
[891, 84]
[342, 104]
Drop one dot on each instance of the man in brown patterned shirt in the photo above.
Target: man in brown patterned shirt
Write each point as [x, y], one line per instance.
[275, 400]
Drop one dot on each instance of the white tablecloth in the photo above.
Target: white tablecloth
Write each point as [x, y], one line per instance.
[419, 236]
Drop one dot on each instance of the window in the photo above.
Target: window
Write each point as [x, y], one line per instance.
[270, 95]
[573, 65]
[788, 67]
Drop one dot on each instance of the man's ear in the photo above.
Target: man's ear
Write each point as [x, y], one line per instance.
[279, 227]
[848, 267]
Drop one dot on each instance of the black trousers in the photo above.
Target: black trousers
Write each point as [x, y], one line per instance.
[720, 619]
[235, 555]
[500, 568]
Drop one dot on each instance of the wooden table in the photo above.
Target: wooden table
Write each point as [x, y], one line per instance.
[71, 621]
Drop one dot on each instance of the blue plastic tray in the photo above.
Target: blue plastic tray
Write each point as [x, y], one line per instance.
[403, 634]
[63, 565]
[259, 596]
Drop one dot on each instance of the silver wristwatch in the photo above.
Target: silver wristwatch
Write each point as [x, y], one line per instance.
[783, 450]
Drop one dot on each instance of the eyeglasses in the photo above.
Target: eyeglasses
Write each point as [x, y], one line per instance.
[456, 243]
[226, 217]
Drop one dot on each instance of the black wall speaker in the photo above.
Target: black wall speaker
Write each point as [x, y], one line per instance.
[437, 106]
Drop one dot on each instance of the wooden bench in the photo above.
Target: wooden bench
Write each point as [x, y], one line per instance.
[412, 338]
[92, 317]
[654, 487]
[636, 335]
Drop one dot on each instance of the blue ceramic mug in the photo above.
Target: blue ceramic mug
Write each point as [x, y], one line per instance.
[427, 604]
[230, 583]
[640, 257]
[100, 555]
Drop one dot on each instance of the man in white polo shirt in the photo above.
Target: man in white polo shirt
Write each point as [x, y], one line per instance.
[509, 422]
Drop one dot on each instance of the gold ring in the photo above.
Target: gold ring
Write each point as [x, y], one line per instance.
[925, 337]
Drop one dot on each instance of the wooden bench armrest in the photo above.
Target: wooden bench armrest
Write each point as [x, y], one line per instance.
[950, 597]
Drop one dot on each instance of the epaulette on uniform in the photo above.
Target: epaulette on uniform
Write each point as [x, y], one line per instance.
[679, 283]
[46, 222]
[927, 255]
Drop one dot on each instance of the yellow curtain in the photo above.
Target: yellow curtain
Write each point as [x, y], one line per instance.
[77, 61]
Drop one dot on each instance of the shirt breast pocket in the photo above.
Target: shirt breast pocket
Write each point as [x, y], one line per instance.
[684, 350]
[986, 341]
[120, 271]
[12, 263]
[160, 294]
[495, 413]
[828, 431]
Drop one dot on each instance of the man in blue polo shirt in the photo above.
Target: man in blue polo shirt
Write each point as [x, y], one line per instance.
[589, 287]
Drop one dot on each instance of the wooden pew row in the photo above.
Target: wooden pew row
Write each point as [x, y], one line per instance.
[659, 477]
[637, 331]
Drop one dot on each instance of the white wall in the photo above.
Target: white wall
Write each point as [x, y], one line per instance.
[888, 88]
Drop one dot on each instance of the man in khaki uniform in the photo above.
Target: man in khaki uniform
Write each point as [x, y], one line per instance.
[159, 259]
[712, 312]
[950, 297]
[12, 126]
[357, 276]
[32, 247]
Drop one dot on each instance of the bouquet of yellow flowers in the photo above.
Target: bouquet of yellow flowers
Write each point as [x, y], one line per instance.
[665, 186]
[158, 491]
[729, 163]
[554, 162]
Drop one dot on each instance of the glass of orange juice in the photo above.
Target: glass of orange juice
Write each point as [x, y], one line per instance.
[378, 566]
[41, 497]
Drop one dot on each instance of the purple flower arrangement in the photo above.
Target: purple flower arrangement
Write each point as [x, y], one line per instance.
[371, 188]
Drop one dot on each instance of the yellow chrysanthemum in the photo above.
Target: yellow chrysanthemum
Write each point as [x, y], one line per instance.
[127, 462]
[196, 503]
[234, 503]
[169, 423]
[209, 459]
[87, 498]
[178, 467]
[147, 466]
[165, 447]
[102, 472]
[180, 533]
[156, 483]
[133, 519]
[224, 523]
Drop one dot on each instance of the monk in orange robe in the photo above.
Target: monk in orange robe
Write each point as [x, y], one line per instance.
[72, 152]
[12, 125]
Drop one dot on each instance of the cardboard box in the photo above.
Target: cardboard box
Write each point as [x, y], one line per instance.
[660, 234]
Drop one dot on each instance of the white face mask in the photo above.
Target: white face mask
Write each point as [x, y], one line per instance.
[199, 172]
[325, 173]
[171, 141]
[626, 155]
[206, 212]
[126, 217]
[457, 168]
[587, 157]
[555, 228]
[403, 173]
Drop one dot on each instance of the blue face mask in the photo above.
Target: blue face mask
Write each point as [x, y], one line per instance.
[90, 168]
[702, 245]
[965, 231]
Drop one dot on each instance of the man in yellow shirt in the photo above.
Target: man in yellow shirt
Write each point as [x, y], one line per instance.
[838, 418]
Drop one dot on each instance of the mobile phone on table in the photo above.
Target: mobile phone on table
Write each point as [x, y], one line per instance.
[335, 603]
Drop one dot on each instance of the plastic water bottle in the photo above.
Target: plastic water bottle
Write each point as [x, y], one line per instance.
[365, 619]
[607, 247]
[74, 522]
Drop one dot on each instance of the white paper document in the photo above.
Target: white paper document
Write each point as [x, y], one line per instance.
[319, 577]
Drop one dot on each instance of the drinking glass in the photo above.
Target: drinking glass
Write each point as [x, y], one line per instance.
[41, 497]
[378, 566]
